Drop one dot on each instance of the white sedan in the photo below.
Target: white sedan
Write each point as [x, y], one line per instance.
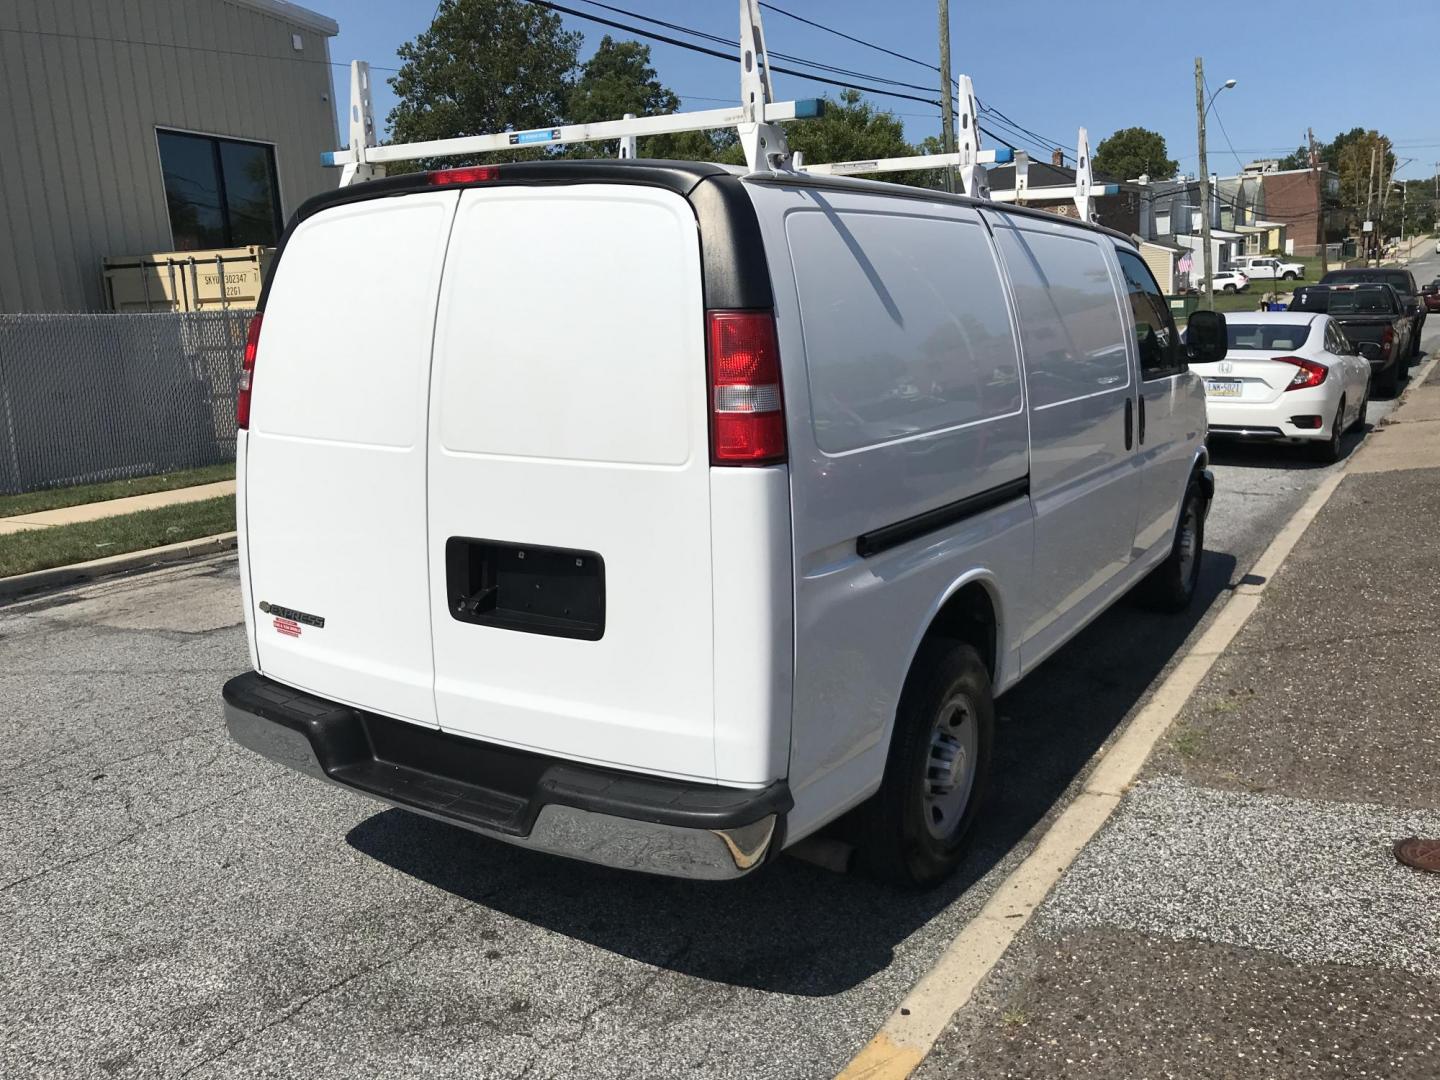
[1288, 375]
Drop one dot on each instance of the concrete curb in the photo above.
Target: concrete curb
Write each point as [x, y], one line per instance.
[21, 584]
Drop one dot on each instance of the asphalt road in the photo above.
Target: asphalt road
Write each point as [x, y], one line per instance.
[171, 905]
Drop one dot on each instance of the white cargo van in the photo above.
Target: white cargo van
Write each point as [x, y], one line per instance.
[658, 515]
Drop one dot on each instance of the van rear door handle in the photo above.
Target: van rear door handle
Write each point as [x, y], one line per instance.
[1129, 423]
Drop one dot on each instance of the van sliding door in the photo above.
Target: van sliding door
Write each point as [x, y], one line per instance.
[1083, 483]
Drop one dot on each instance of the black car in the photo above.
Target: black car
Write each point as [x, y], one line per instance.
[1402, 281]
[1373, 318]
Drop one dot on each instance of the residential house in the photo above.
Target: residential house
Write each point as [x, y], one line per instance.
[1303, 200]
[1120, 211]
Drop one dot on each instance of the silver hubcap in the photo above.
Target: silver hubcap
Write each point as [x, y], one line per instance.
[950, 767]
[1189, 541]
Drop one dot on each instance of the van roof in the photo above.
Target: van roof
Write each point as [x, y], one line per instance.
[680, 177]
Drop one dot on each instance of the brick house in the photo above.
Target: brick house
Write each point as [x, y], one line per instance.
[1300, 198]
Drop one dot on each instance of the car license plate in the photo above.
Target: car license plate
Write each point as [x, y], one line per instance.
[1222, 387]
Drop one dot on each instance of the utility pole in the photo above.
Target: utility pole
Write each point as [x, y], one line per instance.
[1369, 237]
[1207, 272]
[1319, 201]
[947, 112]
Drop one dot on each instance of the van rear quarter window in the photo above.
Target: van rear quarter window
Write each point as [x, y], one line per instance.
[906, 326]
[1070, 325]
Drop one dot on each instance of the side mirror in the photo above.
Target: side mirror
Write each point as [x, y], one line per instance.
[1370, 350]
[1206, 339]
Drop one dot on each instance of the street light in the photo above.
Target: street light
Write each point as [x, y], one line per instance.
[1202, 110]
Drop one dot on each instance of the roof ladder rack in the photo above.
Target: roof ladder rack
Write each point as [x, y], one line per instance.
[756, 119]
[1082, 193]
[968, 157]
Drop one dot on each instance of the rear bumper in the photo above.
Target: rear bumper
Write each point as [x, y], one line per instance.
[1266, 420]
[626, 820]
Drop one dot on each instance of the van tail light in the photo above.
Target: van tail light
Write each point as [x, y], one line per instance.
[469, 174]
[247, 372]
[747, 415]
[1308, 372]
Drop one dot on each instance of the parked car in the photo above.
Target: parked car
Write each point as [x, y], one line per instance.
[1268, 267]
[1431, 295]
[1403, 282]
[1287, 375]
[1229, 281]
[1372, 318]
[660, 515]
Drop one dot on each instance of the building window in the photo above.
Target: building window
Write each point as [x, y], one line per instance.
[220, 192]
[1162, 223]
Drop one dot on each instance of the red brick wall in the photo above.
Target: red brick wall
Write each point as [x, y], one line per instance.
[1292, 198]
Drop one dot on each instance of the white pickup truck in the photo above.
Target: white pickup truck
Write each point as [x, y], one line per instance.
[1268, 267]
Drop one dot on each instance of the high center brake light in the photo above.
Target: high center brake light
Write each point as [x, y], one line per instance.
[747, 414]
[1309, 373]
[247, 372]
[469, 174]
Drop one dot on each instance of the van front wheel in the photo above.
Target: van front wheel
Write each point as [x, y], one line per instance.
[1171, 585]
[913, 831]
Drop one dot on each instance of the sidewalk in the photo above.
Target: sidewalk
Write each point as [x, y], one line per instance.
[1242, 915]
[69, 515]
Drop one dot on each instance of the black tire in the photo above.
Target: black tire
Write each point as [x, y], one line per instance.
[1289, 275]
[1415, 343]
[1171, 586]
[900, 839]
[1229, 289]
[1328, 452]
[1390, 380]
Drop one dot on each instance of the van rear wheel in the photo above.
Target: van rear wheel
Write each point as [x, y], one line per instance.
[1172, 585]
[913, 831]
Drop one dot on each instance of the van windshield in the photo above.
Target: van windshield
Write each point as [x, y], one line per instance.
[1267, 337]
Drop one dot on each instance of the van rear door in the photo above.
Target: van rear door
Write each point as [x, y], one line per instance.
[335, 477]
[569, 500]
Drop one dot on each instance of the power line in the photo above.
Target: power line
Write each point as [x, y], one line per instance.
[847, 37]
[549, 5]
[705, 35]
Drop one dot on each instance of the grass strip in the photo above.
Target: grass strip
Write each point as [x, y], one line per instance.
[33, 502]
[41, 549]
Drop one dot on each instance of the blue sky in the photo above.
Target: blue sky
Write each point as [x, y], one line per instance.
[1050, 65]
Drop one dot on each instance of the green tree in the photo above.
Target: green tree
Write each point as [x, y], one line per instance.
[1133, 152]
[619, 79]
[851, 129]
[482, 66]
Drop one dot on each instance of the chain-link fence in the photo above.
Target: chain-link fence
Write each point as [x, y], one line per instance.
[105, 397]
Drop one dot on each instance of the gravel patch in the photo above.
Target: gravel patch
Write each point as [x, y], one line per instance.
[1315, 882]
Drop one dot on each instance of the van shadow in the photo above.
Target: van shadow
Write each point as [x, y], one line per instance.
[794, 928]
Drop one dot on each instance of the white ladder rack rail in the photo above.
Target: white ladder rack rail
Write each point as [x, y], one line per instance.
[1083, 192]
[756, 120]
[903, 164]
[967, 157]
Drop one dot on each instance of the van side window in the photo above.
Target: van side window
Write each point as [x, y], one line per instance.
[1159, 344]
[906, 327]
[1069, 322]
